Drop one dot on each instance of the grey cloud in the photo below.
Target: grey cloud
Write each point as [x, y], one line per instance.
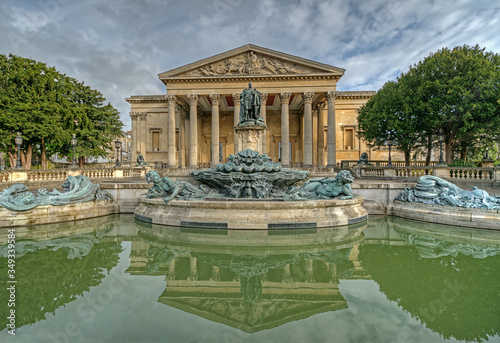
[119, 47]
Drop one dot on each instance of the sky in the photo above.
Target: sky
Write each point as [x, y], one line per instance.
[120, 47]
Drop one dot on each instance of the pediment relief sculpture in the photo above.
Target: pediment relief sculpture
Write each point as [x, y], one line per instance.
[252, 63]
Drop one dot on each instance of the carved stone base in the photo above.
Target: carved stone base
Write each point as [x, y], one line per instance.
[256, 214]
[250, 136]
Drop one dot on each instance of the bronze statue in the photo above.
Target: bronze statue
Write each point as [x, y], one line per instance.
[140, 161]
[250, 102]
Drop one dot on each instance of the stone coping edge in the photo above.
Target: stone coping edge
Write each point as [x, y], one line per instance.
[458, 216]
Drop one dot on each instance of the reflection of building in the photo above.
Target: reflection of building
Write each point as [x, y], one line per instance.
[251, 287]
[193, 123]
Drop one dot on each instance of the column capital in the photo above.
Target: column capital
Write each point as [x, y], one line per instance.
[308, 97]
[285, 97]
[264, 98]
[320, 106]
[171, 99]
[330, 96]
[215, 98]
[236, 98]
[192, 99]
[315, 112]
[134, 115]
[143, 115]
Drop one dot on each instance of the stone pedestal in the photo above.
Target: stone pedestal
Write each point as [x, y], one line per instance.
[250, 136]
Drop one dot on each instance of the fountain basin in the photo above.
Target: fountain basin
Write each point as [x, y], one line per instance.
[253, 214]
[457, 216]
[48, 214]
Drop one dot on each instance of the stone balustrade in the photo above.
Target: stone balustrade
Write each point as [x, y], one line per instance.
[22, 176]
[445, 172]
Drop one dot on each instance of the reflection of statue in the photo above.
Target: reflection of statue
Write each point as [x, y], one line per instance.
[168, 189]
[434, 190]
[326, 188]
[250, 100]
[363, 159]
[140, 161]
[76, 189]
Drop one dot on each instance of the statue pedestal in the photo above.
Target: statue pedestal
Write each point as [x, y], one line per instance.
[250, 136]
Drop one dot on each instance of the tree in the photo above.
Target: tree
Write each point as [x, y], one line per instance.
[455, 91]
[387, 115]
[461, 90]
[48, 107]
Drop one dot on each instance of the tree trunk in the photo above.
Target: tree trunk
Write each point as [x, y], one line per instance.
[449, 153]
[43, 157]
[81, 160]
[407, 158]
[26, 157]
[429, 151]
[12, 159]
[463, 153]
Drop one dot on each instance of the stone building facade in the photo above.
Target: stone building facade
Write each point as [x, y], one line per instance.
[193, 124]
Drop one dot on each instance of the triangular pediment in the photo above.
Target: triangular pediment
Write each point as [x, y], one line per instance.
[250, 60]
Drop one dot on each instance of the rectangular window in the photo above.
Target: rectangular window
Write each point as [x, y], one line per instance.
[349, 138]
[155, 140]
[221, 152]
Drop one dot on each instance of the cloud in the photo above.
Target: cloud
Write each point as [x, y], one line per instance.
[119, 47]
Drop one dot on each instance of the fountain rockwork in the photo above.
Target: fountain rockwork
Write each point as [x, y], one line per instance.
[81, 199]
[250, 191]
[439, 201]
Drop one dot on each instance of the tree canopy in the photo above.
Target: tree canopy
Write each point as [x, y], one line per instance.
[453, 91]
[47, 108]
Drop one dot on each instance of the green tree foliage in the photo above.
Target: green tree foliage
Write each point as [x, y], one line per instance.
[387, 115]
[48, 107]
[456, 91]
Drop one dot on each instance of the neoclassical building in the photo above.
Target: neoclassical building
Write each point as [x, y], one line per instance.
[309, 122]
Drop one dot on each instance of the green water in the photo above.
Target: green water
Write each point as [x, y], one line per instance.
[114, 279]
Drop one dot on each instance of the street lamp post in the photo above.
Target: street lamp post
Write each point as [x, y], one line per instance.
[73, 144]
[118, 144]
[441, 141]
[389, 143]
[19, 140]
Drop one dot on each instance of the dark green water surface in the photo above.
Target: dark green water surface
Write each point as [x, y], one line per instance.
[114, 279]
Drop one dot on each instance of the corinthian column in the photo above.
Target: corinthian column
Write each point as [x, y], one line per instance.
[332, 146]
[142, 142]
[308, 135]
[182, 138]
[263, 114]
[193, 130]
[236, 102]
[321, 134]
[134, 116]
[171, 131]
[215, 98]
[285, 129]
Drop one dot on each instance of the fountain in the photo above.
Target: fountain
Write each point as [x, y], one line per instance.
[81, 199]
[439, 201]
[250, 191]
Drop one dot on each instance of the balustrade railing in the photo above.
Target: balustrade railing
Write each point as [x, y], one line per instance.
[381, 163]
[413, 171]
[14, 175]
[47, 175]
[467, 173]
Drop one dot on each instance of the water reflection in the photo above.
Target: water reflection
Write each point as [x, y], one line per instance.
[51, 273]
[248, 280]
[445, 277]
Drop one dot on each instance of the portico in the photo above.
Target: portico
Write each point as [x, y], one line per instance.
[193, 124]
